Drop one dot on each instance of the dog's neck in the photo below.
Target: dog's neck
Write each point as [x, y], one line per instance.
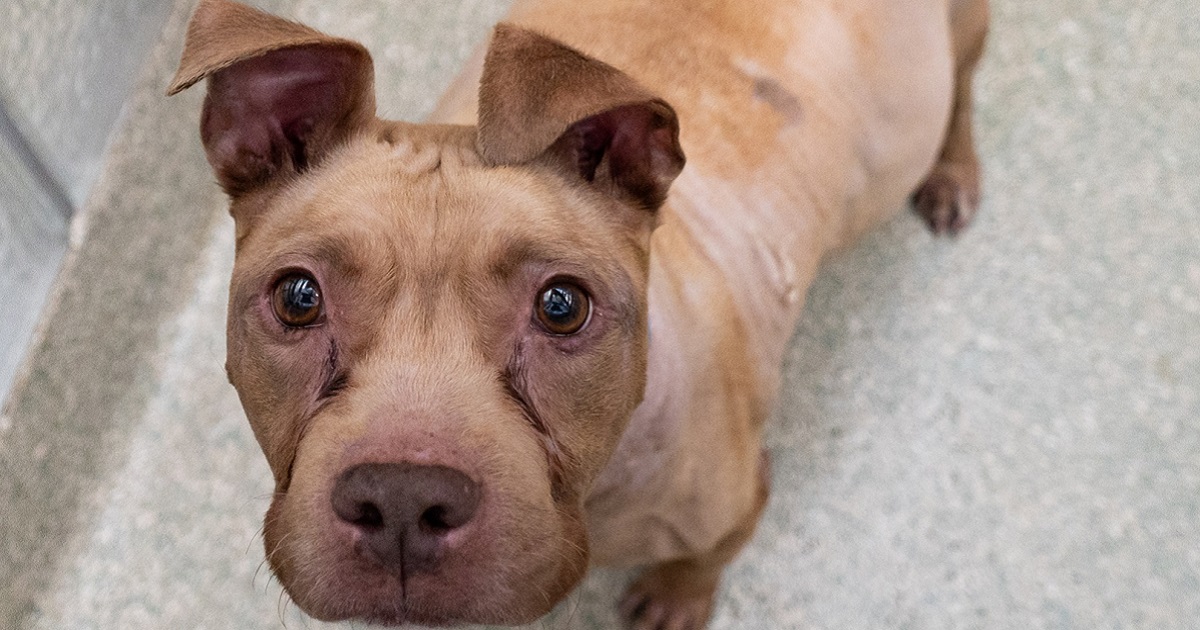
[763, 241]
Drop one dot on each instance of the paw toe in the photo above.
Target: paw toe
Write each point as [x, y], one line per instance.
[646, 607]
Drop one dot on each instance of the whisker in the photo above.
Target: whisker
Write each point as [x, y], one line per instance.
[268, 557]
[281, 608]
[257, 534]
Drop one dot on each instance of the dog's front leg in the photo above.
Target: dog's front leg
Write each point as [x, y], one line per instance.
[949, 196]
[679, 594]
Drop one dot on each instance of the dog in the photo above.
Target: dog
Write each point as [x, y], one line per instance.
[485, 352]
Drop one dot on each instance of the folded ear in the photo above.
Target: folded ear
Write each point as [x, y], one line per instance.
[541, 100]
[280, 94]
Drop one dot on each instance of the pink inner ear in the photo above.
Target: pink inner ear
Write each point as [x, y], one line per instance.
[263, 113]
[640, 145]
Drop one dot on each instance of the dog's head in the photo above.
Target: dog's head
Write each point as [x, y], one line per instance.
[438, 333]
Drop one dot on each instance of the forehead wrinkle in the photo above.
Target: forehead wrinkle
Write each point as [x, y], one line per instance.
[434, 270]
[423, 149]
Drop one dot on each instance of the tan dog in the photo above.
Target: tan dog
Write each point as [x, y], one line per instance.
[480, 357]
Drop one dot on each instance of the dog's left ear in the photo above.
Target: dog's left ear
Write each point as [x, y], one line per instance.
[280, 95]
[541, 101]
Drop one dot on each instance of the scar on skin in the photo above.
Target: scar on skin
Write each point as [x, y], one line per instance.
[769, 91]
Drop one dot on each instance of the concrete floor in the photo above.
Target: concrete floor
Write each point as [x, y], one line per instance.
[999, 431]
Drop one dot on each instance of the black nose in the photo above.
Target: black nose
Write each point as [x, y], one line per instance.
[405, 510]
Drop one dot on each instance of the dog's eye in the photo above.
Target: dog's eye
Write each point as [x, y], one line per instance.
[297, 300]
[563, 308]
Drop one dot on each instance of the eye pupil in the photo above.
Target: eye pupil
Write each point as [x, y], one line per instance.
[558, 303]
[563, 308]
[297, 300]
[301, 294]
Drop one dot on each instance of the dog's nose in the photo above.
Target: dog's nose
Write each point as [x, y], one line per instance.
[405, 511]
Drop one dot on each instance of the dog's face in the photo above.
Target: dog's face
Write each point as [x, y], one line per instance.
[438, 333]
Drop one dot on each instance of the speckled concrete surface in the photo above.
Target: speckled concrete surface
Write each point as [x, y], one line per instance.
[994, 432]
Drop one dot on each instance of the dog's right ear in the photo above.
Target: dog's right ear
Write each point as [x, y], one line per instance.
[280, 94]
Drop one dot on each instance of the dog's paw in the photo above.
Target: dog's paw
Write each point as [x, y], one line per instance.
[948, 198]
[667, 598]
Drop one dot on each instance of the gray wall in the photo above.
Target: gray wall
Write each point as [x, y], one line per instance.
[66, 69]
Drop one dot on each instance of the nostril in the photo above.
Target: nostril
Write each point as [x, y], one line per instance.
[363, 513]
[434, 520]
[368, 515]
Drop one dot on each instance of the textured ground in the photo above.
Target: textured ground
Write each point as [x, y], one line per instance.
[999, 431]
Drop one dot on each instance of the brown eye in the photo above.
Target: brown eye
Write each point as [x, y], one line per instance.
[563, 308]
[297, 300]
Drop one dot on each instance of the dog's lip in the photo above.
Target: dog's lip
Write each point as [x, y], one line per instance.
[390, 612]
[405, 616]
[384, 605]
[377, 597]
